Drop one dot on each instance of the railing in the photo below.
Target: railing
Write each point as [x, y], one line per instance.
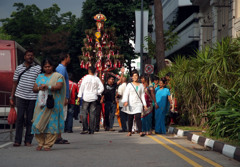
[5, 128]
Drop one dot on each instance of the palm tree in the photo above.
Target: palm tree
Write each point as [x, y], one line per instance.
[160, 56]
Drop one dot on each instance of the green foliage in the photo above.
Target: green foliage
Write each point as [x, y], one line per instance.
[170, 39]
[29, 26]
[151, 46]
[194, 78]
[46, 31]
[3, 35]
[52, 44]
[224, 116]
[28, 23]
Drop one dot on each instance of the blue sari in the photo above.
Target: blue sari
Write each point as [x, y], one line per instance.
[160, 113]
[50, 120]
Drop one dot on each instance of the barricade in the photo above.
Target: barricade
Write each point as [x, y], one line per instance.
[6, 130]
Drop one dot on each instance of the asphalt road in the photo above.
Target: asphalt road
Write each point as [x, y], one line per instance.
[113, 149]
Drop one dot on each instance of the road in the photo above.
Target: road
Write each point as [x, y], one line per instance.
[113, 149]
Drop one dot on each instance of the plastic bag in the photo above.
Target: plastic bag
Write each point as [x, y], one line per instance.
[42, 97]
[65, 108]
[12, 116]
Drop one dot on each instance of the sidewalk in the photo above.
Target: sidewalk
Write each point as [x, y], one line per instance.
[222, 148]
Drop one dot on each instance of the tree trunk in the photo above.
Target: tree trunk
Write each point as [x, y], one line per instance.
[129, 67]
[160, 56]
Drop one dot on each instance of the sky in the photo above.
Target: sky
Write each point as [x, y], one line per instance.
[74, 6]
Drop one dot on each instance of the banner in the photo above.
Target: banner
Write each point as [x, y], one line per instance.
[138, 30]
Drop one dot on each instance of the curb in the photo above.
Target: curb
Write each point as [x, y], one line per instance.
[222, 148]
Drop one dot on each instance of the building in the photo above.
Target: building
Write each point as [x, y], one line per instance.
[217, 19]
[198, 23]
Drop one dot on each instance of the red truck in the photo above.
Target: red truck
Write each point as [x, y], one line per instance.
[11, 55]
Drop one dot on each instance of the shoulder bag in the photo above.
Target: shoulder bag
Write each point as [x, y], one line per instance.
[19, 77]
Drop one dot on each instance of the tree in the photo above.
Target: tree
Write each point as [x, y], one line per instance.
[52, 44]
[28, 23]
[3, 35]
[24, 26]
[160, 55]
[45, 31]
[170, 39]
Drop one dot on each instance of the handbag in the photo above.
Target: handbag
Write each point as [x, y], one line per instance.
[70, 93]
[50, 102]
[12, 116]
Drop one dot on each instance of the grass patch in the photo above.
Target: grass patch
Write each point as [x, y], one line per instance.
[188, 128]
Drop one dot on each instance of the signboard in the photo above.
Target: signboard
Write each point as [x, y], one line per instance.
[149, 69]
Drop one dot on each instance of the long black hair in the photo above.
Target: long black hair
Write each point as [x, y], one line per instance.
[134, 72]
[45, 61]
[164, 80]
[146, 78]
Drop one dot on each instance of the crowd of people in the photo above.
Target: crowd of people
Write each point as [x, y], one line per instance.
[47, 101]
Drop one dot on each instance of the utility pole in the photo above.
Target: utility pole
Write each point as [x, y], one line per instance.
[141, 43]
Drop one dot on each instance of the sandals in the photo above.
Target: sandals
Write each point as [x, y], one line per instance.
[39, 148]
[16, 145]
[61, 141]
[47, 149]
[129, 134]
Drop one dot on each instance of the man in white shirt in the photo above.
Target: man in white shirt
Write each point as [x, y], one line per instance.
[123, 115]
[90, 88]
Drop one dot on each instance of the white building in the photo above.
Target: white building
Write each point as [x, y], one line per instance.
[136, 64]
[218, 19]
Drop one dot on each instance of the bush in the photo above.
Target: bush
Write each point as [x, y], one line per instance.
[224, 116]
[194, 81]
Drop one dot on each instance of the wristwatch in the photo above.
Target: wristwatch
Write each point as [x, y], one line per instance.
[10, 98]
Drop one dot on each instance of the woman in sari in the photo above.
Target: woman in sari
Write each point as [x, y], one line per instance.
[163, 99]
[149, 97]
[48, 123]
